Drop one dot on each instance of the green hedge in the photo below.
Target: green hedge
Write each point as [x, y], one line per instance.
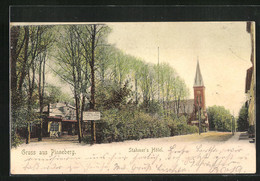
[124, 125]
[118, 125]
[179, 126]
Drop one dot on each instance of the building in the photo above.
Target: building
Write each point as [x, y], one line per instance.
[60, 119]
[199, 115]
[250, 86]
[194, 109]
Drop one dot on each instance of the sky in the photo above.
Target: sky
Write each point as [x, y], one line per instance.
[222, 48]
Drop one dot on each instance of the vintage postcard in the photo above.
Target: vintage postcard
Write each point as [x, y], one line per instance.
[132, 98]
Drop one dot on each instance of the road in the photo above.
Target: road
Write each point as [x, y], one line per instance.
[209, 136]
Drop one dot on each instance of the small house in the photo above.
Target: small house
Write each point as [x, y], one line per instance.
[60, 120]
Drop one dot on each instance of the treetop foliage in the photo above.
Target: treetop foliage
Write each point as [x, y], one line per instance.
[242, 122]
[101, 76]
[220, 119]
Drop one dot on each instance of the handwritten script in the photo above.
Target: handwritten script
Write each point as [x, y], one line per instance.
[171, 159]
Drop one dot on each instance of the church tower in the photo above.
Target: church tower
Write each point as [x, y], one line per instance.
[199, 90]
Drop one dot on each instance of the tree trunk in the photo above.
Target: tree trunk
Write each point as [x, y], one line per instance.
[40, 100]
[25, 59]
[77, 103]
[28, 136]
[178, 106]
[167, 101]
[92, 64]
[84, 98]
[15, 31]
[163, 98]
[81, 115]
[41, 87]
[77, 116]
[136, 93]
[102, 74]
[30, 94]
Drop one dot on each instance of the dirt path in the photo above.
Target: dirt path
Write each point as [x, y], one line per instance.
[63, 139]
[209, 136]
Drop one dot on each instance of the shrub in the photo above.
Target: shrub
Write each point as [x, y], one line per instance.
[87, 139]
[179, 126]
[219, 118]
[16, 141]
[120, 125]
[113, 96]
[152, 107]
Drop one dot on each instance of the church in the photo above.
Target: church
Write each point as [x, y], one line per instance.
[195, 109]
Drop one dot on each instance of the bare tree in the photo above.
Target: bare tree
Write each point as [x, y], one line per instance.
[41, 86]
[15, 51]
[96, 33]
[40, 41]
[72, 67]
[25, 47]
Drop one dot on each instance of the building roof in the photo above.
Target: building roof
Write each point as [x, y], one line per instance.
[54, 117]
[63, 110]
[198, 81]
[71, 121]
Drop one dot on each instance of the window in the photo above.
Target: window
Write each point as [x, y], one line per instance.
[54, 126]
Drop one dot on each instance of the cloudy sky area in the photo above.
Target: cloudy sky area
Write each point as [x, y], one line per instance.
[223, 50]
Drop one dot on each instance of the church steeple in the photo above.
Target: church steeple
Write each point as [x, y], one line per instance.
[200, 113]
[198, 81]
[199, 89]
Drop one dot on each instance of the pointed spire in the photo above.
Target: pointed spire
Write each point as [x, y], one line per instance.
[198, 81]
